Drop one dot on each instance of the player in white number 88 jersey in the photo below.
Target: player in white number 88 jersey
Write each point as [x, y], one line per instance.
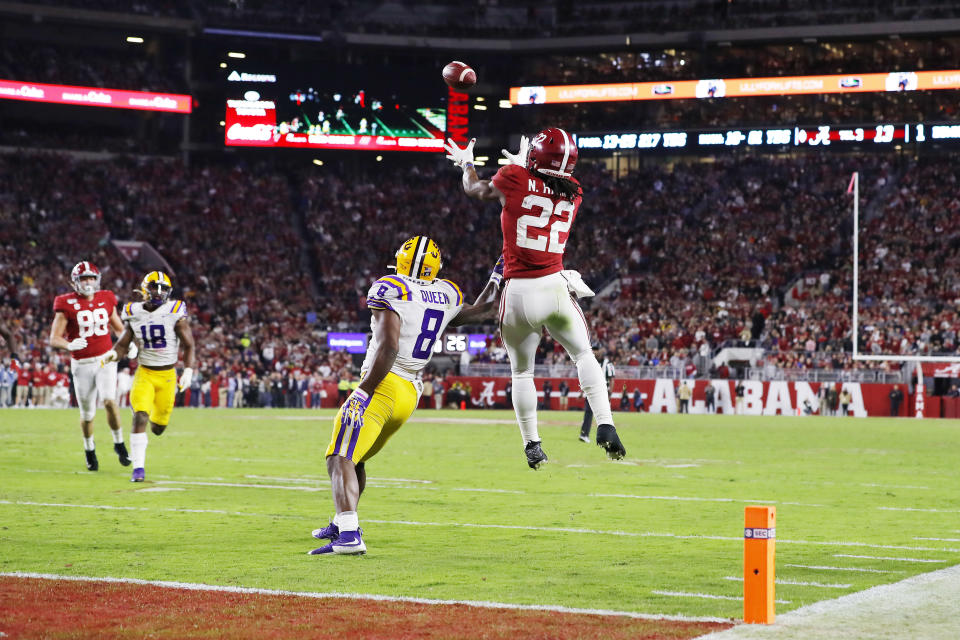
[81, 324]
[540, 199]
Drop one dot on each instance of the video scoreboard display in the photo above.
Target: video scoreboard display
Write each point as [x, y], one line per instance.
[773, 138]
[339, 108]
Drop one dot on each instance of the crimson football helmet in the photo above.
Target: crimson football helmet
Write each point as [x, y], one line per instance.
[553, 152]
[85, 270]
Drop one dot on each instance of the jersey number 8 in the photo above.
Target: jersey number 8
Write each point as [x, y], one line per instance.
[93, 323]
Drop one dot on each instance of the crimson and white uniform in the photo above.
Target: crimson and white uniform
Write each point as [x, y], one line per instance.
[537, 292]
[90, 319]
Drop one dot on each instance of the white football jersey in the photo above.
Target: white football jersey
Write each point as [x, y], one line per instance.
[425, 310]
[153, 330]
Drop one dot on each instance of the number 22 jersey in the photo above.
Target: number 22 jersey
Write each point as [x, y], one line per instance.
[425, 310]
[535, 222]
[154, 331]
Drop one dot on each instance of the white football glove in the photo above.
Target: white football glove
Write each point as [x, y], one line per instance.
[108, 357]
[520, 157]
[77, 344]
[185, 378]
[456, 155]
[132, 351]
[496, 276]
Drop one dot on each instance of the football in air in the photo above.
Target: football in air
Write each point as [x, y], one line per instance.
[459, 76]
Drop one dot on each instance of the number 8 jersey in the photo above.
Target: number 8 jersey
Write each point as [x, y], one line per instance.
[425, 310]
[154, 331]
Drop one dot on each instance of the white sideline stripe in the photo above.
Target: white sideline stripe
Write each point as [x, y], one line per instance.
[938, 539]
[843, 555]
[823, 568]
[414, 523]
[488, 490]
[922, 606]
[242, 485]
[892, 486]
[796, 583]
[696, 499]
[921, 510]
[708, 596]
[189, 586]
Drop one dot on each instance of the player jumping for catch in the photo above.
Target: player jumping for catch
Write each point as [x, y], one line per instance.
[540, 198]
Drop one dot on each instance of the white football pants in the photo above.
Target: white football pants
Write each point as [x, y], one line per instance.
[90, 380]
[527, 305]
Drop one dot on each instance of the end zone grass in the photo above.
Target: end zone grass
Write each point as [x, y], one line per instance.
[452, 512]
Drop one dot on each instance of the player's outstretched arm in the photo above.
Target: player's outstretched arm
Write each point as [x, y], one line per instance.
[386, 330]
[58, 335]
[185, 334]
[483, 308]
[473, 186]
[7, 334]
[120, 349]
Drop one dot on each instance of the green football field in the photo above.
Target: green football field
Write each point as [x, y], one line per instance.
[451, 510]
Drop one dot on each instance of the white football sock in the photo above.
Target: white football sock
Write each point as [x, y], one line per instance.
[88, 444]
[525, 406]
[348, 521]
[336, 519]
[117, 436]
[138, 449]
[594, 387]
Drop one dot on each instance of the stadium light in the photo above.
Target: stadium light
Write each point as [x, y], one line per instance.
[318, 162]
[480, 107]
[506, 104]
[379, 158]
[223, 65]
[223, 123]
[480, 98]
[236, 54]
[135, 39]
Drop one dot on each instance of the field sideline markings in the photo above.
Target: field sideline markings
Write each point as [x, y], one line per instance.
[823, 568]
[918, 509]
[414, 523]
[697, 499]
[188, 586]
[797, 583]
[708, 596]
[938, 539]
[844, 555]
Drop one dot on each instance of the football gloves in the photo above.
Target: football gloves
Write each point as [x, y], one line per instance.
[520, 157]
[185, 378]
[496, 276]
[77, 344]
[132, 350]
[351, 416]
[459, 157]
[108, 357]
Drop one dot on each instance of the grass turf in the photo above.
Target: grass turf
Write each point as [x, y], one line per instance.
[451, 510]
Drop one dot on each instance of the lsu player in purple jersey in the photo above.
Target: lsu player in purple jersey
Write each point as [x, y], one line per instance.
[410, 311]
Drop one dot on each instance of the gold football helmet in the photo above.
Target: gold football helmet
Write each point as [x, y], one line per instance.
[419, 258]
[156, 287]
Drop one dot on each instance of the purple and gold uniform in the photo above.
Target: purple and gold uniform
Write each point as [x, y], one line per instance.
[425, 309]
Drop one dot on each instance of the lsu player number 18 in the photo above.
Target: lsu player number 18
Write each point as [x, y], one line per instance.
[159, 326]
[409, 310]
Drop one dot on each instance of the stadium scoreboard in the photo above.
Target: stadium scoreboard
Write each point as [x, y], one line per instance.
[779, 137]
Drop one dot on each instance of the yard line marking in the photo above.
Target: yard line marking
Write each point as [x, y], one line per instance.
[892, 486]
[917, 509]
[858, 569]
[938, 539]
[415, 523]
[364, 596]
[843, 555]
[487, 490]
[709, 596]
[164, 509]
[796, 583]
[241, 485]
[696, 499]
